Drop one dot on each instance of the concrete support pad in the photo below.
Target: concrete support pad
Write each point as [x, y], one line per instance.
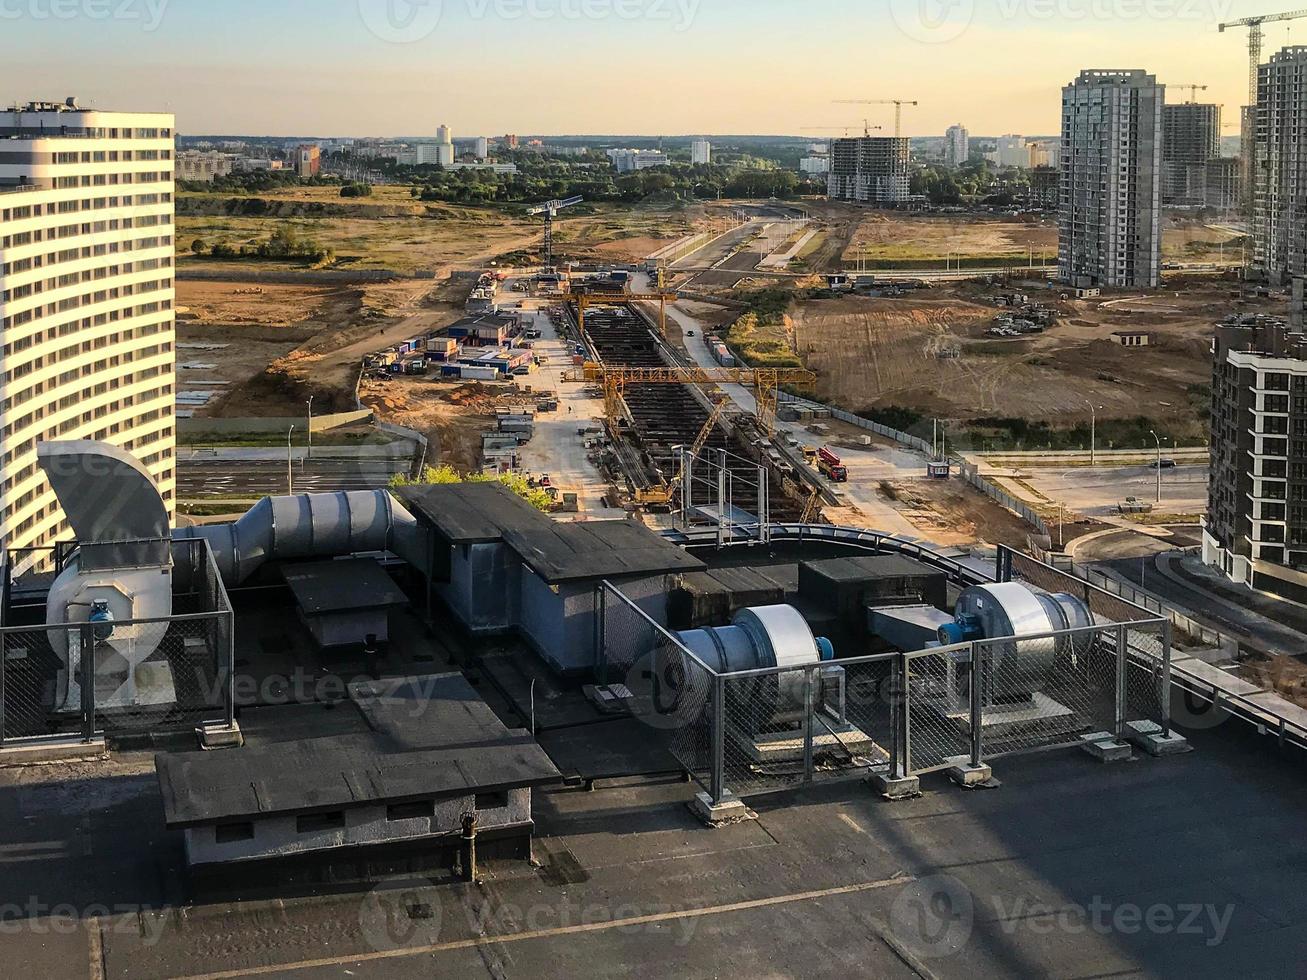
[896, 787]
[52, 751]
[731, 810]
[1105, 747]
[215, 737]
[967, 775]
[1149, 736]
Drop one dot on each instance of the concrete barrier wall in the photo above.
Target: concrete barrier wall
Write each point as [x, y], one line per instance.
[321, 423]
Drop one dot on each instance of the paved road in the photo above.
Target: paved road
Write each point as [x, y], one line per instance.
[200, 478]
[1096, 491]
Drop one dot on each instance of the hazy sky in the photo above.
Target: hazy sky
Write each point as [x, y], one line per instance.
[381, 67]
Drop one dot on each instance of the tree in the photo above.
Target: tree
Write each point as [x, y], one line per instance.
[198, 247]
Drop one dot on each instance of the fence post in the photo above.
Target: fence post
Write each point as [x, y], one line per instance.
[808, 719]
[601, 654]
[907, 716]
[4, 670]
[86, 680]
[977, 703]
[1122, 655]
[1167, 629]
[230, 693]
[717, 777]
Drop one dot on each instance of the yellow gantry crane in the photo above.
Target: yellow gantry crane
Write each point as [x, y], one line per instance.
[765, 383]
[583, 302]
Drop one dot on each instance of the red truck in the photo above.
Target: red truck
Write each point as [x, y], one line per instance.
[831, 466]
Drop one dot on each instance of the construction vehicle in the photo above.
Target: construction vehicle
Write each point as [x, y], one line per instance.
[810, 455]
[831, 466]
[660, 497]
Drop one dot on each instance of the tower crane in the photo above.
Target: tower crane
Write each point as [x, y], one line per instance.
[1256, 38]
[1193, 92]
[898, 105]
[550, 210]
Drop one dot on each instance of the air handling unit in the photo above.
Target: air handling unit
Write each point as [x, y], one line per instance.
[780, 677]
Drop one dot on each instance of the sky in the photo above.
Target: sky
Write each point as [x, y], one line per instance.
[652, 67]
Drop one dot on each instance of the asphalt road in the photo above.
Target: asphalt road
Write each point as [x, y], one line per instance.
[197, 479]
[1096, 491]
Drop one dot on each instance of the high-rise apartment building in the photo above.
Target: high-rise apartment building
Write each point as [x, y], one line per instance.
[869, 169]
[1109, 220]
[1280, 192]
[1191, 136]
[86, 299]
[957, 146]
[308, 160]
[1012, 151]
[1256, 527]
[700, 152]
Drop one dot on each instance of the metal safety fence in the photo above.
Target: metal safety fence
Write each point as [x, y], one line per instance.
[120, 677]
[778, 728]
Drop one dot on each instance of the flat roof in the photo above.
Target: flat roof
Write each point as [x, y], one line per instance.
[597, 549]
[471, 513]
[323, 587]
[428, 737]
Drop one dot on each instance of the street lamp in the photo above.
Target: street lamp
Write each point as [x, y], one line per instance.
[1093, 433]
[1158, 439]
[290, 469]
[309, 455]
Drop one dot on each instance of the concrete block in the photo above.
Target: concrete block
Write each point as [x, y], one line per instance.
[215, 737]
[969, 776]
[1105, 747]
[896, 787]
[731, 810]
[1149, 736]
[52, 751]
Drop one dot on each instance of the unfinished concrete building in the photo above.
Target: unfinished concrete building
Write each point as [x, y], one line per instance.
[1110, 216]
[1191, 136]
[870, 170]
[1280, 192]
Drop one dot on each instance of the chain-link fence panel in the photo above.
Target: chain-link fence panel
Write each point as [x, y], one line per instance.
[1148, 673]
[857, 718]
[938, 705]
[1016, 567]
[40, 694]
[1047, 690]
[161, 675]
[769, 731]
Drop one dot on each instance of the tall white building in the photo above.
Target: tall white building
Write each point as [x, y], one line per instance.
[626, 161]
[1109, 221]
[700, 152]
[482, 148]
[444, 146]
[1280, 189]
[1012, 151]
[86, 299]
[957, 145]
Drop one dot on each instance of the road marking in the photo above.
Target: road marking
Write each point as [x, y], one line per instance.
[639, 920]
[94, 950]
[852, 823]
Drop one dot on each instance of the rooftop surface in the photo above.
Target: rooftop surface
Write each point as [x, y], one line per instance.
[1188, 867]
[341, 586]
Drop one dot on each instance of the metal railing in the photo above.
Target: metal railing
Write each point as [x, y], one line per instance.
[127, 677]
[777, 728]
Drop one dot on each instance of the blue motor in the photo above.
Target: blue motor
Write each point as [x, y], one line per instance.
[102, 618]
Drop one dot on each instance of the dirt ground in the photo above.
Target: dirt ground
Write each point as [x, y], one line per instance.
[950, 512]
[887, 235]
[886, 352]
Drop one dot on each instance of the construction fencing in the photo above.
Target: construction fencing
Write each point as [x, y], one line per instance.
[897, 714]
[121, 678]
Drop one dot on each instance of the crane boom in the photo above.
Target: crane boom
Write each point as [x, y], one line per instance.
[898, 105]
[550, 210]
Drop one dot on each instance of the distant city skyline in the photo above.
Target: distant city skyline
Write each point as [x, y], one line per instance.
[324, 67]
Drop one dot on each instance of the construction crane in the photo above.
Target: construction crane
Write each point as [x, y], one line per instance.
[867, 127]
[1193, 92]
[665, 496]
[1256, 38]
[550, 210]
[584, 301]
[898, 105]
[765, 383]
